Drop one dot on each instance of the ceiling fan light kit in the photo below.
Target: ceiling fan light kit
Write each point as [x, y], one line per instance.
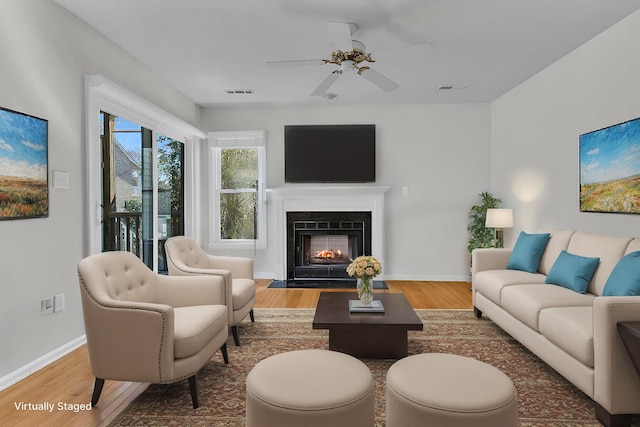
[349, 61]
[348, 55]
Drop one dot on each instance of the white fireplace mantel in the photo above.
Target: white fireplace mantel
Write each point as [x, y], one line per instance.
[326, 198]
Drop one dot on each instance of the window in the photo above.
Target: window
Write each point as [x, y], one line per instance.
[237, 176]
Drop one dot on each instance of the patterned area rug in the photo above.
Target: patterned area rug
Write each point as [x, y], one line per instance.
[544, 397]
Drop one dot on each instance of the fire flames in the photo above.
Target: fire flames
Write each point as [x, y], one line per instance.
[328, 253]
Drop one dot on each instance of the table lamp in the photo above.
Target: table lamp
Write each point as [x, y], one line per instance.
[499, 219]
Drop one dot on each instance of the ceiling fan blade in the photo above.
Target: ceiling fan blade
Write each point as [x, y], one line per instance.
[325, 85]
[340, 33]
[379, 80]
[421, 48]
[293, 63]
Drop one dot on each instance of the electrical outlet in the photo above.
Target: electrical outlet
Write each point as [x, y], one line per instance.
[46, 307]
[405, 191]
[58, 303]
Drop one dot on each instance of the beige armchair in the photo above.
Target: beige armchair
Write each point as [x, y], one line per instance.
[186, 257]
[146, 327]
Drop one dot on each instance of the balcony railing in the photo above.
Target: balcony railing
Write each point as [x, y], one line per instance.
[126, 235]
[126, 232]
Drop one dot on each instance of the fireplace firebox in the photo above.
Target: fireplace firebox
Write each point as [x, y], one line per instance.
[320, 245]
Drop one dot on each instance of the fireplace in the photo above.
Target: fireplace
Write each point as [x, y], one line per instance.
[354, 199]
[320, 245]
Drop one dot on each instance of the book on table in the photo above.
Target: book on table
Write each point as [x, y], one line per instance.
[357, 306]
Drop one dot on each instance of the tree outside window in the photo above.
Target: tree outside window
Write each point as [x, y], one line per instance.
[237, 173]
[239, 193]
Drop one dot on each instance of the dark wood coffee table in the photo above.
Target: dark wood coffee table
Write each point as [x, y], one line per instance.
[367, 335]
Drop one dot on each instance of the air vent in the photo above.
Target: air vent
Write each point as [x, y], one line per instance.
[451, 87]
[240, 91]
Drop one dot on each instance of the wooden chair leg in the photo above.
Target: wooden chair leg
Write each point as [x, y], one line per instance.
[225, 356]
[193, 388]
[97, 389]
[253, 319]
[234, 331]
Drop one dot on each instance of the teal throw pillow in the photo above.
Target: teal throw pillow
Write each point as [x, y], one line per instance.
[527, 252]
[572, 271]
[624, 280]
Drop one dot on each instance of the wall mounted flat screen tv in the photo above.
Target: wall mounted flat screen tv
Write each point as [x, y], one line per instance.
[329, 153]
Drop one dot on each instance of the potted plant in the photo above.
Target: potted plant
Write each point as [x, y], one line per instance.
[479, 235]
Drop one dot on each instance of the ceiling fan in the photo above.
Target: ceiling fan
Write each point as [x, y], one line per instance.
[348, 55]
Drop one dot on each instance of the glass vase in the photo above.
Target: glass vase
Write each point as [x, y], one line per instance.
[365, 290]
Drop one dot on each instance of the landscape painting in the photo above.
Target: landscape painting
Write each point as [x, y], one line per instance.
[24, 189]
[610, 169]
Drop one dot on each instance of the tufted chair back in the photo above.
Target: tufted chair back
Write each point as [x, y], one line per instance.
[190, 254]
[124, 277]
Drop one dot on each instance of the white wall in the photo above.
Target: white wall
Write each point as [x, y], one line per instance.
[440, 152]
[45, 54]
[535, 129]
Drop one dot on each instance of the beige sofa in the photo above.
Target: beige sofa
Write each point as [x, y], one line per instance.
[576, 334]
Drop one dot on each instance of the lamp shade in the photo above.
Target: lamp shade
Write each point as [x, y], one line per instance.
[499, 218]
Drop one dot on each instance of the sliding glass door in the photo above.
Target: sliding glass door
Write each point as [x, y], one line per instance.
[142, 184]
[170, 184]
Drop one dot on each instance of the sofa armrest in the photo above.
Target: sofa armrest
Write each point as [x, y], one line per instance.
[483, 259]
[184, 291]
[616, 382]
[181, 269]
[241, 268]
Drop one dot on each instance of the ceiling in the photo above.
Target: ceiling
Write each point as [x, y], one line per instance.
[480, 48]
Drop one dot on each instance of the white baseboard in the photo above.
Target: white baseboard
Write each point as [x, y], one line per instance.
[425, 278]
[41, 362]
[263, 275]
[416, 277]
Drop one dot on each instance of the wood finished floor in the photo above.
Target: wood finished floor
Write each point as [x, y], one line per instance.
[69, 379]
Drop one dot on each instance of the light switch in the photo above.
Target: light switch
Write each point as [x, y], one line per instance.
[58, 303]
[60, 179]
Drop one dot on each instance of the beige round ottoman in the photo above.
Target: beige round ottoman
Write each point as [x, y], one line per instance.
[448, 390]
[310, 388]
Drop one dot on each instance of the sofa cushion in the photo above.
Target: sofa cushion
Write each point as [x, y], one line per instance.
[491, 282]
[525, 302]
[610, 249]
[624, 280]
[559, 241]
[572, 271]
[571, 329]
[527, 252]
[195, 326]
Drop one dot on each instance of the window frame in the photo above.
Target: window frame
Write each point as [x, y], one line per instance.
[102, 94]
[217, 141]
